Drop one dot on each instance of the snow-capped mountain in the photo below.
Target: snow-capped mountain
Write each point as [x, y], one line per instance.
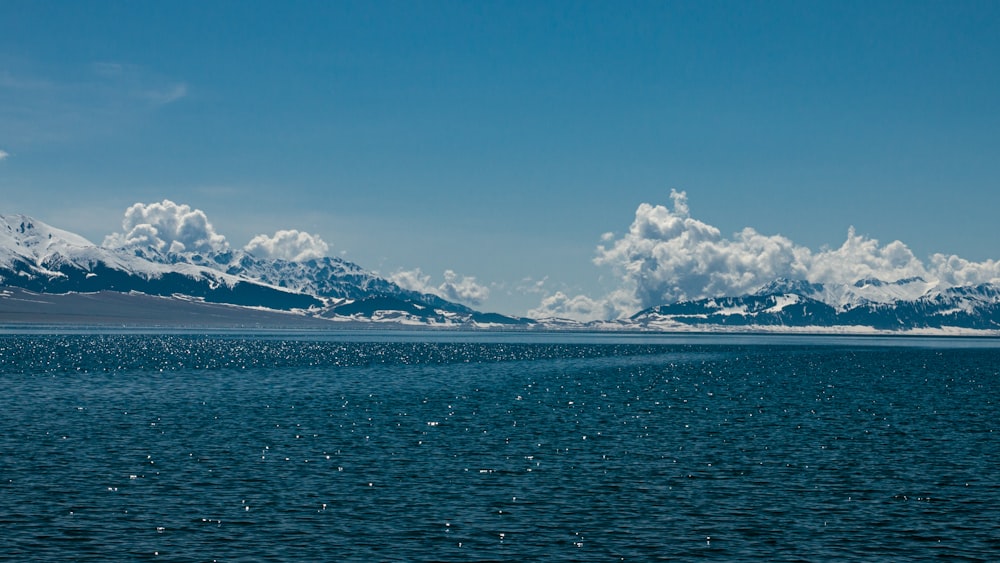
[848, 296]
[347, 289]
[324, 277]
[43, 259]
[40, 259]
[906, 304]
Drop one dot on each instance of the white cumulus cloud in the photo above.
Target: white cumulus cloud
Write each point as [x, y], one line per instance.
[463, 289]
[167, 227]
[4, 154]
[414, 280]
[291, 245]
[860, 258]
[956, 271]
[667, 256]
[579, 307]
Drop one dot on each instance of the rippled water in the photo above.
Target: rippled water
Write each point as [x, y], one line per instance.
[250, 447]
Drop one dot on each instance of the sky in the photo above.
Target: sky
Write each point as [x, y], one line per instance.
[581, 159]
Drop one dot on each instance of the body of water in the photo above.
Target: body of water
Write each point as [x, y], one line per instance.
[370, 447]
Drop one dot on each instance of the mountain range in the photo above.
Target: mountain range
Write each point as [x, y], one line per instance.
[51, 275]
[904, 305]
[45, 260]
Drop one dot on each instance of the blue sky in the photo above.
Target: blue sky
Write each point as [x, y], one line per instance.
[502, 140]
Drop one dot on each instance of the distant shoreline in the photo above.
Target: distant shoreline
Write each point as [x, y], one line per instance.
[22, 310]
[114, 309]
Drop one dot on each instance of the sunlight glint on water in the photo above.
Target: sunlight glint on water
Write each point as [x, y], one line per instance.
[198, 448]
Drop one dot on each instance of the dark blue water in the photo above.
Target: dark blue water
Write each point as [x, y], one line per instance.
[255, 447]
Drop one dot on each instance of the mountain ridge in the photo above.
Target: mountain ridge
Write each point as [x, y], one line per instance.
[40, 258]
[43, 260]
[795, 303]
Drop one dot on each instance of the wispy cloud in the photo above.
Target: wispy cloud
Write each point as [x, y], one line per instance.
[3, 155]
[39, 105]
[463, 289]
[136, 83]
[667, 255]
[11, 81]
[166, 95]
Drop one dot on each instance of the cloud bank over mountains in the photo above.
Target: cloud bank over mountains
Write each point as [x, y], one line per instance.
[667, 255]
[291, 245]
[167, 227]
[170, 227]
[463, 289]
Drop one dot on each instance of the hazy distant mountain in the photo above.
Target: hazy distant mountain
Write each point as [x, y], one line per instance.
[46, 260]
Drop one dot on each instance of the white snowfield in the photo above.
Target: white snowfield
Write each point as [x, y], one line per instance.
[862, 292]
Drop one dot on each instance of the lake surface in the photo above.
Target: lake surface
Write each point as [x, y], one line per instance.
[474, 447]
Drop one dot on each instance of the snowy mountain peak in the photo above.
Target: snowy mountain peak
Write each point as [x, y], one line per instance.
[34, 237]
[787, 286]
[325, 277]
[44, 259]
[845, 296]
[874, 282]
